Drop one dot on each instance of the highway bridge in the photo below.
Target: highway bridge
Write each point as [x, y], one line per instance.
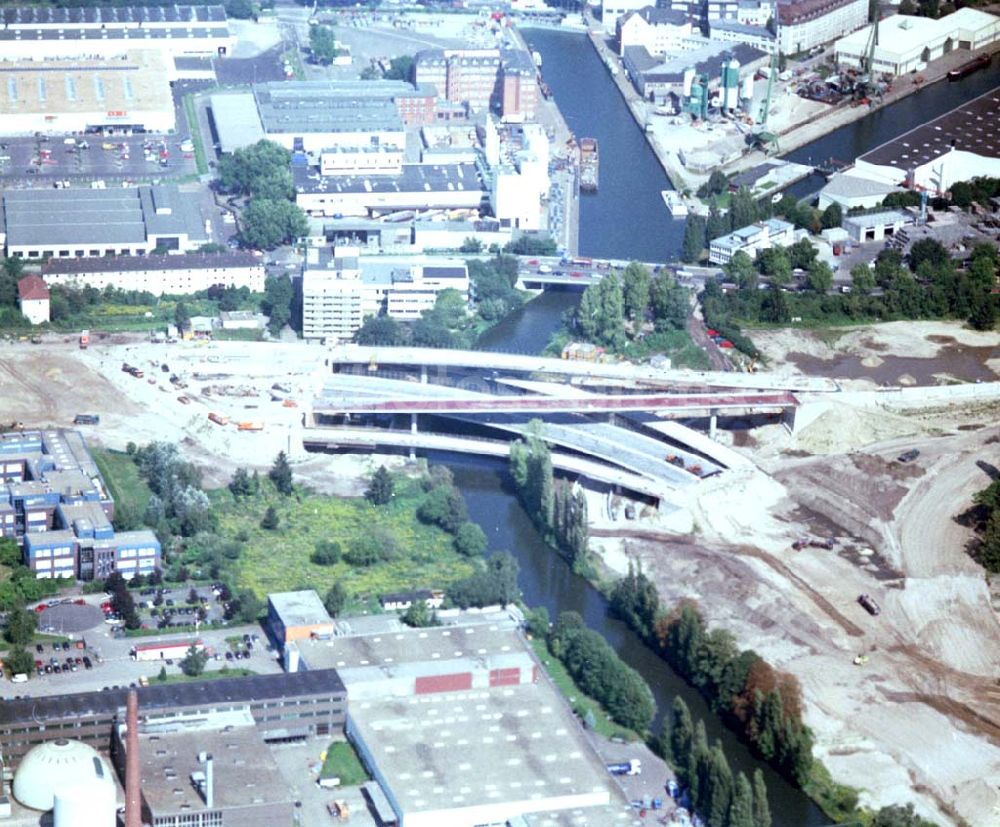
[686, 405]
[425, 360]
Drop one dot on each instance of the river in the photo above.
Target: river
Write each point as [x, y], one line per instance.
[626, 219]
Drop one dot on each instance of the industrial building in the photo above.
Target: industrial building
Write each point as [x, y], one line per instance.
[504, 81]
[159, 274]
[80, 223]
[957, 146]
[284, 707]
[457, 728]
[297, 616]
[732, 31]
[124, 92]
[854, 192]
[668, 80]
[517, 173]
[806, 24]
[340, 290]
[54, 501]
[417, 187]
[658, 31]
[45, 32]
[906, 42]
[761, 236]
[33, 299]
[877, 226]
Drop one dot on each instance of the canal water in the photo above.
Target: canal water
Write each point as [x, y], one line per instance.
[626, 219]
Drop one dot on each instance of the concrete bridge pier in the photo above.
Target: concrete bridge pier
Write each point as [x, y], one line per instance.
[423, 374]
[713, 420]
[413, 422]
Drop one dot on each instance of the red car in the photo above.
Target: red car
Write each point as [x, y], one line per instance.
[41, 607]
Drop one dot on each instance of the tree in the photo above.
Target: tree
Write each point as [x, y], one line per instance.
[740, 269]
[832, 216]
[418, 615]
[248, 607]
[327, 553]
[681, 736]
[240, 9]
[380, 489]
[743, 209]
[716, 184]
[897, 816]
[322, 44]
[20, 627]
[694, 238]
[277, 302]
[182, 318]
[761, 808]
[537, 622]
[741, 807]
[281, 474]
[670, 303]
[241, 485]
[270, 222]
[258, 171]
[380, 330]
[19, 661]
[927, 250]
[444, 506]
[470, 540]
[862, 279]
[193, 663]
[270, 520]
[162, 676]
[820, 277]
[335, 600]
[400, 68]
[635, 286]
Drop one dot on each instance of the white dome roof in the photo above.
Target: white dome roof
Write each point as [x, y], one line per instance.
[56, 765]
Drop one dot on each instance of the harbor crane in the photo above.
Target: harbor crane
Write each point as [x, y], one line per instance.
[761, 136]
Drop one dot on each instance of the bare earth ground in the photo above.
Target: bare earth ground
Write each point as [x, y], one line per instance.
[921, 720]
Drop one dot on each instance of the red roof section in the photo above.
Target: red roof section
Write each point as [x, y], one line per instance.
[32, 288]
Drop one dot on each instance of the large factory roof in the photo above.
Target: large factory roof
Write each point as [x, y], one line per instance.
[706, 59]
[118, 264]
[109, 15]
[170, 696]
[973, 127]
[236, 120]
[131, 38]
[109, 216]
[416, 178]
[311, 107]
[135, 81]
[515, 748]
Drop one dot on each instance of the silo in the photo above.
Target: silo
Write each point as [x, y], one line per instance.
[733, 87]
[748, 87]
[90, 805]
[688, 81]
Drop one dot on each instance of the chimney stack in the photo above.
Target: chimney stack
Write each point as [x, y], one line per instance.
[133, 808]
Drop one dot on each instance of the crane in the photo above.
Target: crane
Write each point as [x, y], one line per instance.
[762, 137]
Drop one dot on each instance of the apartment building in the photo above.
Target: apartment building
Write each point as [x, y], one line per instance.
[340, 290]
[502, 80]
[805, 24]
[760, 236]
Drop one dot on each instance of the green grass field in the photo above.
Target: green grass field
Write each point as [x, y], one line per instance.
[342, 762]
[122, 478]
[273, 561]
[580, 703]
[213, 675]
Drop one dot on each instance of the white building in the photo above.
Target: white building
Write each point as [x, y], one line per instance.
[60, 96]
[755, 12]
[906, 41]
[43, 32]
[611, 10]
[876, 226]
[659, 31]
[417, 187]
[159, 274]
[520, 184]
[761, 236]
[354, 160]
[733, 31]
[805, 24]
[33, 299]
[958, 146]
[340, 291]
[854, 192]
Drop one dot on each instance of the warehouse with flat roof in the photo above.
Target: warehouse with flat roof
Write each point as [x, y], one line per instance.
[124, 92]
[69, 223]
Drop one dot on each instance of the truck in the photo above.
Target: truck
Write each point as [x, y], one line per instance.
[631, 767]
[869, 605]
[84, 339]
[86, 419]
[251, 426]
[219, 419]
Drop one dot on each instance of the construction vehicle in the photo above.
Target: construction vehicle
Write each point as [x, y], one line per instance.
[84, 339]
[860, 660]
[339, 809]
[761, 137]
[869, 605]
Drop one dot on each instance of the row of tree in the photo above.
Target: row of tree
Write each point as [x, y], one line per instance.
[600, 673]
[617, 308]
[261, 173]
[558, 509]
[444, 506]
[764, 706]
[704, 772]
